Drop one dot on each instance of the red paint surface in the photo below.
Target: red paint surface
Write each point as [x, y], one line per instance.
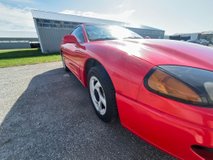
[170, 125]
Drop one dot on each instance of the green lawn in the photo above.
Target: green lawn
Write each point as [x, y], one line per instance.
[17, 57]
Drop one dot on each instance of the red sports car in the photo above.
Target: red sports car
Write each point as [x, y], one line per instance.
[162, 90]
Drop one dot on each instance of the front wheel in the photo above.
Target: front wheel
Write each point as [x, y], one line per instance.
[102, 94]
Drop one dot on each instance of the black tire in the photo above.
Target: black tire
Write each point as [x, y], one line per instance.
[64, 65]
[110, 114]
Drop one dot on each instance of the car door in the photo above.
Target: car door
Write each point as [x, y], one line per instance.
[73, 54]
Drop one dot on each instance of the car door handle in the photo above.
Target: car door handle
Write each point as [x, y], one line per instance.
[78, 51]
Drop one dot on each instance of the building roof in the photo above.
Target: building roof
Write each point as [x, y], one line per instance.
[69, 17]
[144, 27]
[207, 32]
[80, 19]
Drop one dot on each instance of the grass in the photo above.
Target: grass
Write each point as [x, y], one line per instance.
[17, 57]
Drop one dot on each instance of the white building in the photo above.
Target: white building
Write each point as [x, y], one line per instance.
[18, 39]
[51, 27]
[196, 37]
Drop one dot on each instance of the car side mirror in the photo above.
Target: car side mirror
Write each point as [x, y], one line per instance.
[72, 39]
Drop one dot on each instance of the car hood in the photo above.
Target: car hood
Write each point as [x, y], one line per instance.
[166, 52]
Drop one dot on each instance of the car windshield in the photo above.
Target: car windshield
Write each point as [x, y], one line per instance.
[109, 32]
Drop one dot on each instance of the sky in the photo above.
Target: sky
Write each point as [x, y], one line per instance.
[173, 16]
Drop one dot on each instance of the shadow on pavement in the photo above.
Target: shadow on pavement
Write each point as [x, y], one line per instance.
[54, 119]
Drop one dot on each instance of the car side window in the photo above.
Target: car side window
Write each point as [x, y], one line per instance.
[78, 33]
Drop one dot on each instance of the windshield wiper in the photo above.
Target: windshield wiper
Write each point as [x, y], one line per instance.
[99, 39]
[133, 38]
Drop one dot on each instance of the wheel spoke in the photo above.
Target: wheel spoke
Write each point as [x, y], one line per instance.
[102, 100]
[100, 106]
[97, 85]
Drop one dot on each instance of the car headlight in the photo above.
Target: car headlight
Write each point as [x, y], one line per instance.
[181, 83]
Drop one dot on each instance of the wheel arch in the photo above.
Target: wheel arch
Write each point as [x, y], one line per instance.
[91, 62]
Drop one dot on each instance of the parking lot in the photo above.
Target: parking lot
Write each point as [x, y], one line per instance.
[45, 113]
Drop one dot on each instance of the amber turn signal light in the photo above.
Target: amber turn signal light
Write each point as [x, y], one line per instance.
[169, 86]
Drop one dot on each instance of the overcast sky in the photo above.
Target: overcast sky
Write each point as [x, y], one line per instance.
[173, 16]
